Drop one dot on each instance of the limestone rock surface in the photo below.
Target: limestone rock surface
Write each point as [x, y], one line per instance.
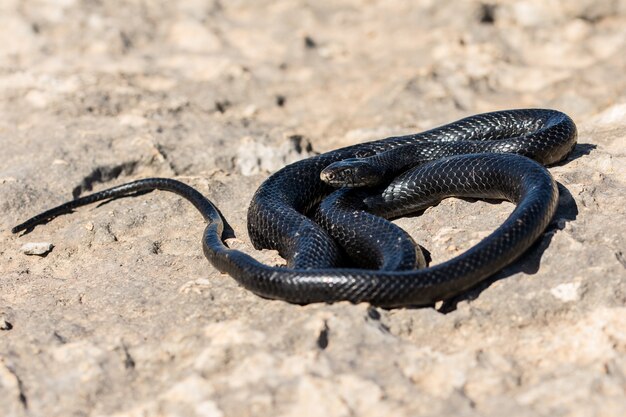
[125, 318]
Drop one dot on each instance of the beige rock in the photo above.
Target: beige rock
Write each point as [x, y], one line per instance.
[36, 248]
[94, 94]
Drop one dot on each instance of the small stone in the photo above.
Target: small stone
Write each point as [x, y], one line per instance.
[5, 325]
[566, 292]
[132, 120]
[37, 248]
[250, 110]
[37, 99]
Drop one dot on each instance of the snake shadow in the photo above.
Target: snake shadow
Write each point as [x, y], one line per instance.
[28, 230]
[530, 262]
[228, 232]
[581, 149]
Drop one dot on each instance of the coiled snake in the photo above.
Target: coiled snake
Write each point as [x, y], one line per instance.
[491, 155]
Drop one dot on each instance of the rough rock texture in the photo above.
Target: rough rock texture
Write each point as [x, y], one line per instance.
[124, 317]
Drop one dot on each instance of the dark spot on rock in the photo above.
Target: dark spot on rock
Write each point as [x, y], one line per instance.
[129, 362]
[309, 42]
[372, 313]
[322, 338]
[222, 106]
[127, 42]
[156, 247]
[23, 400]
[590, 18]
[487, 14]
[5, 325]
[20, 387]
[60, 338]
[299, 143]
[280, 100]
[620, 258]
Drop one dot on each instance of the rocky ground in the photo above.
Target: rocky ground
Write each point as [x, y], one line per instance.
[124, 316]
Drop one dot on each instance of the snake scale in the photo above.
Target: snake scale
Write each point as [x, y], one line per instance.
[336, 242]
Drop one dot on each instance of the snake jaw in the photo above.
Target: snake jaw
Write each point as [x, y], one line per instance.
[352, 172]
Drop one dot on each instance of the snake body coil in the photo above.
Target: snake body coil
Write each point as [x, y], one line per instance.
[473, 157]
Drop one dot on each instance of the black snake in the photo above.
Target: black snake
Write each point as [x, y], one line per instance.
[491, 155]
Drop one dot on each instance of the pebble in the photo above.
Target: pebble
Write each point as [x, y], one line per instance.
[36, 248]
[5, 325]
[566, 292]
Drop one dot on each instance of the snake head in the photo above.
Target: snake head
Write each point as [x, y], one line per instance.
[352, 172]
